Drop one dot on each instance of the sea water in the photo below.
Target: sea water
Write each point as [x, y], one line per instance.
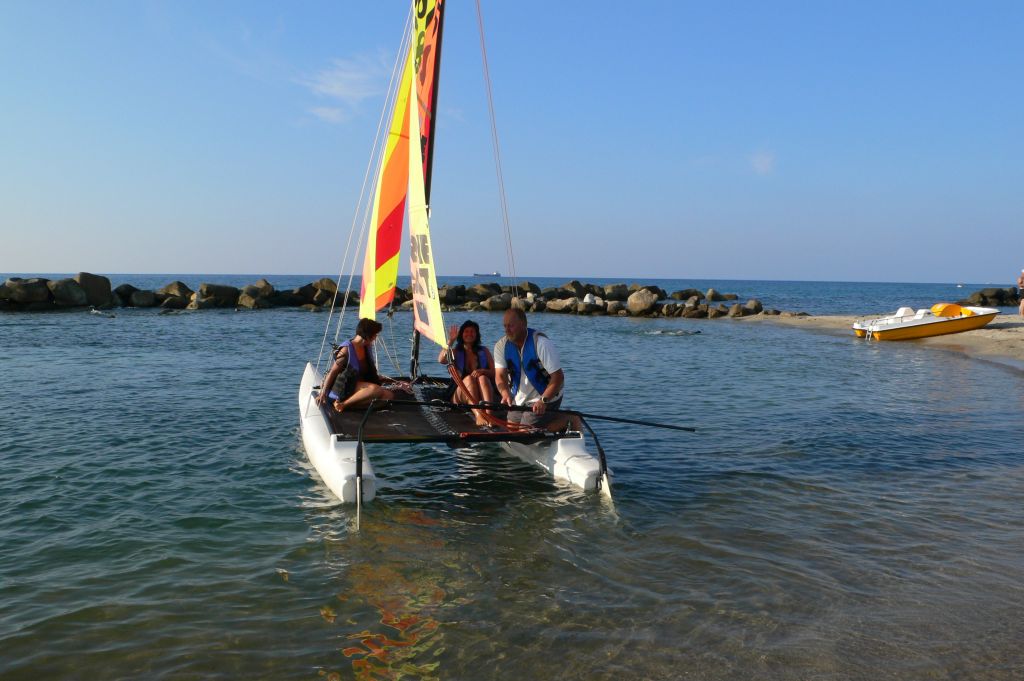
[846, 509]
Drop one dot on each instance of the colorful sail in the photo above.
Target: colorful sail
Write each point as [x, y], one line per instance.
[427, 62]
[426, 303]
[417, 91]
[380, 266]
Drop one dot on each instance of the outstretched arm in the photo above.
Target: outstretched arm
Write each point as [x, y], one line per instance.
[453, 333]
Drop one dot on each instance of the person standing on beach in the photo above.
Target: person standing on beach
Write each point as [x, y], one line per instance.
[528, 373]
[1020, 293]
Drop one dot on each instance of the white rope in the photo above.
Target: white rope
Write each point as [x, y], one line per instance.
[392, 357]
[376, 158]
[497, 156]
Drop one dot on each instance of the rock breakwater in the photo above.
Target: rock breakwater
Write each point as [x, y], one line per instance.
[38, 294]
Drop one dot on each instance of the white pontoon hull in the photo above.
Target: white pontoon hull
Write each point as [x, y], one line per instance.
[333, 459]
[565, 459]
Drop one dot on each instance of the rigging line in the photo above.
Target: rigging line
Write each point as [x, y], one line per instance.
[359, 204]
[393, 358]
[497, 155]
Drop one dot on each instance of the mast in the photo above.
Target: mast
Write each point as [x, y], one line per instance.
[423, 18]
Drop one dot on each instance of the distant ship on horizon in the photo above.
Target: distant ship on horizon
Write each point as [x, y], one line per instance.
[487, 274]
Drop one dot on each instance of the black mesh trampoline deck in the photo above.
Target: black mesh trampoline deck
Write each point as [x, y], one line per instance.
[439, 421]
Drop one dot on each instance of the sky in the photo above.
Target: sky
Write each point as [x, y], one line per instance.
[841, 141]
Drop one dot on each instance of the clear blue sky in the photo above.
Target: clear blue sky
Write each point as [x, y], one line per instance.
[782, 140]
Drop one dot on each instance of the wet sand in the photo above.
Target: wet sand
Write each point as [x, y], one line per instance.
[1002, 340]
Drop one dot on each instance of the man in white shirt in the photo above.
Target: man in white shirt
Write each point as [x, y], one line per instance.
[528, 373]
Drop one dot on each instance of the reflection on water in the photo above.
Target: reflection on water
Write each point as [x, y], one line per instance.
[391, 580]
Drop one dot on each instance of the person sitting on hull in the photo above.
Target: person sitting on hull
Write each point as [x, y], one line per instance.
[353, 380]
[474, 364]
[529, 374]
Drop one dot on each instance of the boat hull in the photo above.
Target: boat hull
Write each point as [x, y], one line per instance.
[936, 328]
[908, 325]
[334, 460]
[566, 459]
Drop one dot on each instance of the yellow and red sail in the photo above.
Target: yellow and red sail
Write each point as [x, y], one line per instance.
[405, 179]
[380, 266]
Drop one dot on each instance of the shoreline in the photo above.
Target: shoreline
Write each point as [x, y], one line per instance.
[1002, 341]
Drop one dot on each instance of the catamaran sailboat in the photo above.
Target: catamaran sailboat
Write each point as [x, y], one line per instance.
[338, 444]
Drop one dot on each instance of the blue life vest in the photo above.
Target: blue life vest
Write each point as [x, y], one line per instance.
[460, 359]
[353, 361]
[535, 371]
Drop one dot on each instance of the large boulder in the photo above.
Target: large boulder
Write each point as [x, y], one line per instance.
[256, 296]
[686, 294]
[616, 292]
[562, 305]
[125, 291]
[323, 296]
[584, 307]
[325, 284]
[730, 296]
[713, 296]
[34, 290]
[696, 312]
[67, 293]
[719, 311]
[752, 306]
[142, 299]
[286, 299]
[577, 288]
[656, 290]
[498, 303]
[641, 301]
[199, 303]
[479, 292]
[216, 295]
[306, 292]
[175, 302]
[539, 305]
[994, 297]
[264, 287]
[175, 288]
[735, 310]
[252, 302]
[97, 288]
[529, 287]
[613, 307]
[452, 295]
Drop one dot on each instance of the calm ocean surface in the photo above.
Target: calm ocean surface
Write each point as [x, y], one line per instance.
[846, 510]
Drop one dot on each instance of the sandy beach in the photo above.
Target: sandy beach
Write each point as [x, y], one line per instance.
[1002, 340]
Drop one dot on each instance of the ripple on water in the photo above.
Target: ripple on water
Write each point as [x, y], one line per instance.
[845, 510]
